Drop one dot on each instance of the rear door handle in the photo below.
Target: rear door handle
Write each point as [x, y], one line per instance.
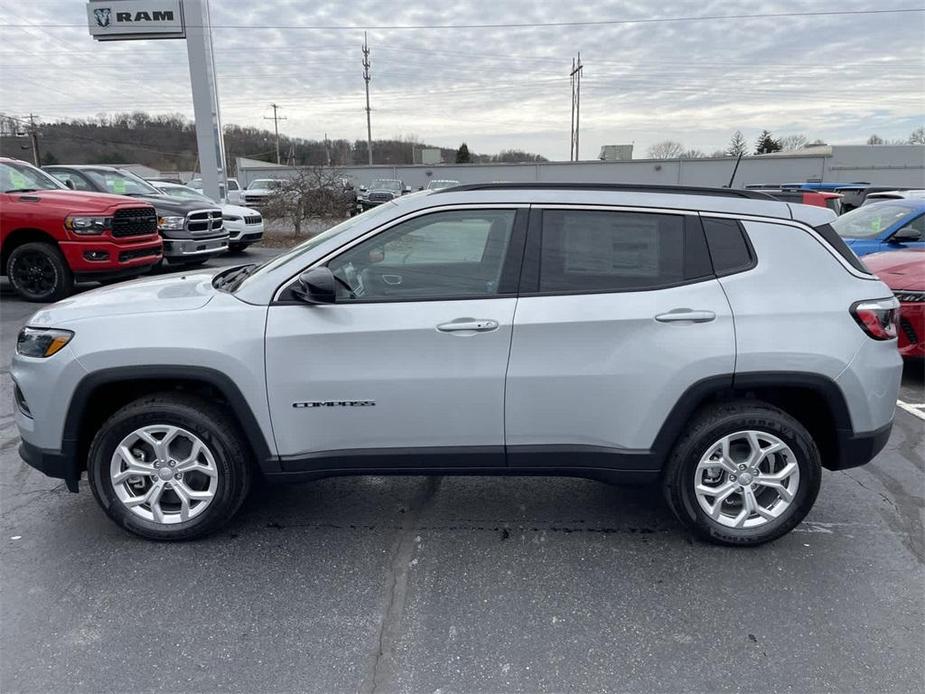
[677, 315]
[479, 325]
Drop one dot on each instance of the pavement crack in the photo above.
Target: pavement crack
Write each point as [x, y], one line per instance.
[864, 486]
[396, 588]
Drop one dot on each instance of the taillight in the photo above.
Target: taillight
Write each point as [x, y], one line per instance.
[877, 317]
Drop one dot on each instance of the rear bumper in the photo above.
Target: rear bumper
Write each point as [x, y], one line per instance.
[119, 257]
[859, 449]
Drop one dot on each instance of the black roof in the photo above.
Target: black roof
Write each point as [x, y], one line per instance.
[615, 187]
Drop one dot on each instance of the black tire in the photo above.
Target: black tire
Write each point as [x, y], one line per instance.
[212, 425]
[38, 272]
[709, 427]
[237, 247]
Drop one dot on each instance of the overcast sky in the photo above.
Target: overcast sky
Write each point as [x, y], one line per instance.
[838, 78]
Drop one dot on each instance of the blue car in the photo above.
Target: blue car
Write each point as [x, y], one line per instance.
[883, 226]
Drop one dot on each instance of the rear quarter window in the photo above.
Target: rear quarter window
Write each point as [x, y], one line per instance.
[729, 247]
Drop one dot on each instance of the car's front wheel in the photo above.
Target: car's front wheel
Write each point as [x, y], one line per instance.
[38, 272]
[744, 473]
[169, 467]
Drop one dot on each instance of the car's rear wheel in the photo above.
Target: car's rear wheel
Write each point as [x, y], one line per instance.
[38, 272]
[170, 467]
[745, 473]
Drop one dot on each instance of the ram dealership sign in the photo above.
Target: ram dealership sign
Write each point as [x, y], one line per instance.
[115, 20]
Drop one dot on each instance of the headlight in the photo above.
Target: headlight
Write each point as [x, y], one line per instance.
[171, 223]
[231, 218]
[81, 224]
[41, 342]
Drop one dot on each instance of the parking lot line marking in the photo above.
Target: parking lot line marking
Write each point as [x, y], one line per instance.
[912, 409]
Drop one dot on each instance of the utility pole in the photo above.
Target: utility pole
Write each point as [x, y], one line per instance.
[369, 128]
[575, 74]
[34, 137]
[276, 119]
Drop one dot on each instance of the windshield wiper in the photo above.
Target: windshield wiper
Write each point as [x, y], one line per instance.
[230, 281]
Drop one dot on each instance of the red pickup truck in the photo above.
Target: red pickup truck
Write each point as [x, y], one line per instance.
[51, 235]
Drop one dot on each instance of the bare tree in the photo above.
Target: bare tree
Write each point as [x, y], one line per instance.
[737, 145]
[875, 140]
[789, 143]
[311, 192]
[693, 153]
[917, 137]
[669, 149]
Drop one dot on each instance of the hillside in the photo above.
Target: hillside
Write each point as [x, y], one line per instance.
[167, 142]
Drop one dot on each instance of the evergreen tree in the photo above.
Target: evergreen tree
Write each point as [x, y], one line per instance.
[462, 154]
[766, 144]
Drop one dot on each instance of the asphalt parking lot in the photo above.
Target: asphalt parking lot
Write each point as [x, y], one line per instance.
[450, 584]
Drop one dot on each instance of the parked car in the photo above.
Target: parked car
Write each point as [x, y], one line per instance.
[233, 193]
[244, 225]
[904, 273]
[193, 231]
[440, 184]
[880, 196]
[884, 226]
[644, 347]
[257, 191]
[51, 236]
[806, 197]
[379, 191]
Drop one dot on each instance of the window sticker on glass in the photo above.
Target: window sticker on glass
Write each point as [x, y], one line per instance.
[602, 245]
[18, 180]
[117, 185]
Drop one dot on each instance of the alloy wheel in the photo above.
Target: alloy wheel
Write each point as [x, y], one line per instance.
[164, 474]
[746, 479]
[34, 273]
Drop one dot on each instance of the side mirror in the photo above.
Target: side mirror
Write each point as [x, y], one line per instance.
[906, 234]
[70, 184]
[363, 189]
[316, 286]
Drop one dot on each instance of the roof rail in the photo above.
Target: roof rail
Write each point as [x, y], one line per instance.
[615, 187]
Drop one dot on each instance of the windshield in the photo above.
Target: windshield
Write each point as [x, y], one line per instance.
[315, 241]
[121, 182]
[264, 184]
[870, 220]
[183, 192]
[22, 178]
[439, 185]
[386, 184]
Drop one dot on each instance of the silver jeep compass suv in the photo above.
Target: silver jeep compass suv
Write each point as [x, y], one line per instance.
[720, 343]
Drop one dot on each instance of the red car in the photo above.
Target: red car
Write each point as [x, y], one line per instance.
[51, 236]
[904, 273]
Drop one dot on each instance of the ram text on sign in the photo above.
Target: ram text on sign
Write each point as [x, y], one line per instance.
[113, 20]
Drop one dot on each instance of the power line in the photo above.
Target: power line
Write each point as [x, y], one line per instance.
[530, 25]
[276, 119]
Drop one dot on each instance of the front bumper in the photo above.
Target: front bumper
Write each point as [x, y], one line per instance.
[51, 463]
[120, 257]
[244, 232]
[177, 249]
[912, 329]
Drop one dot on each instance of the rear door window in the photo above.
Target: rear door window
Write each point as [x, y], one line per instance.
[608, 251]
[728, 244]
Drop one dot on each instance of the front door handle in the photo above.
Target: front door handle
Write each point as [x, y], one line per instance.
[477, 325]
[677, 315]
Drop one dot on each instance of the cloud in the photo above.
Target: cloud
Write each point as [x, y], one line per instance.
[838, 78]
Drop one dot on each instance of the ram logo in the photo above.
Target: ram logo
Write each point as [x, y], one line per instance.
[334, 403]
[103, 16]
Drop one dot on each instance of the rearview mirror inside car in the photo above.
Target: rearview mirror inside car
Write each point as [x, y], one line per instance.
[316, 286]
[70, 184]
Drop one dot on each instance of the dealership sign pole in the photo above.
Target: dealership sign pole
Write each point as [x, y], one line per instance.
[126, 20]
